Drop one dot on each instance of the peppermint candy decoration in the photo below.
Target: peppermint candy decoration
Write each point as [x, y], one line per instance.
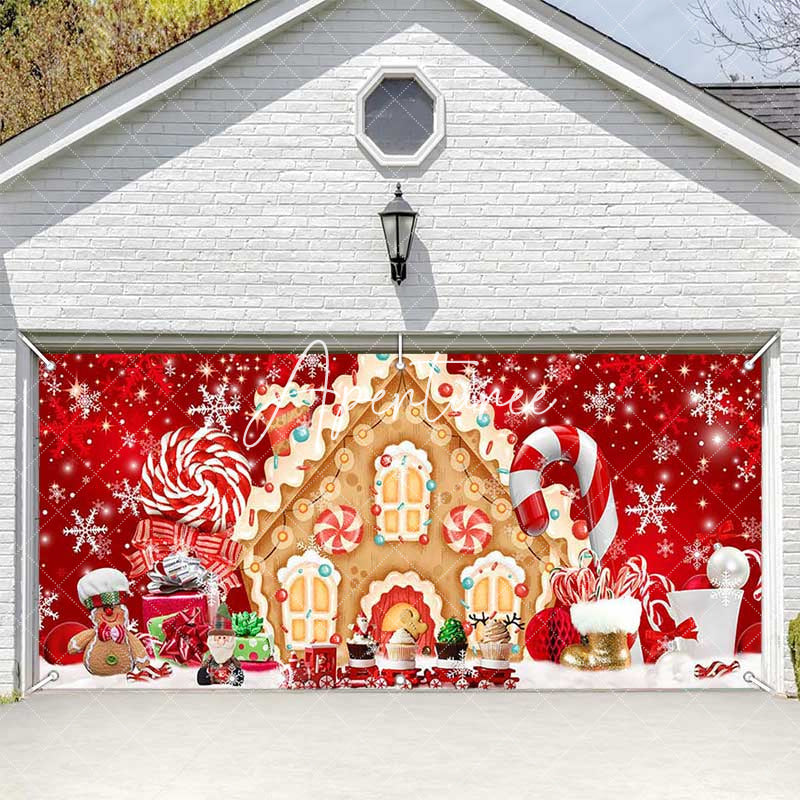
[338, 530]
[563, 443]
[467, 529]
[197, 477]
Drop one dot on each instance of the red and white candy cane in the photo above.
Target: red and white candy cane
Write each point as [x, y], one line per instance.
[715, 669]
[563, 443]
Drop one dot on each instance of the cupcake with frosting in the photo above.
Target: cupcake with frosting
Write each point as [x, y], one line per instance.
[361, 647]
[495, 645]
[451, 643]
[401, 649]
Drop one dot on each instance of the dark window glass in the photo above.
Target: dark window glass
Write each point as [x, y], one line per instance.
[399, 116]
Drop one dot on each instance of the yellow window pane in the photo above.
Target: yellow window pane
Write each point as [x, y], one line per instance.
[391, 521]
[321, 630]
[480, 596]
[415, 486]
[505, 595]
[391, 489]
[412, 520]
[298, 630]
[321, 595]
[297, 595]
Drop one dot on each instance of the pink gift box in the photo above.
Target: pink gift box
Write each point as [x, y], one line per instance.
[160, 605]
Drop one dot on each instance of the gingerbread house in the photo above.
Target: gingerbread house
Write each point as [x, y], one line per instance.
[392, 500]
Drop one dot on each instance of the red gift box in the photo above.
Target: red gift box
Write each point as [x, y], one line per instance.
[160, 605]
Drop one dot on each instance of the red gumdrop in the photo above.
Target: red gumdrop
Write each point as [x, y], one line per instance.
[521, 590]
[375, 509]
[446, 389]
[548, 633]
[281, 595]
[262, 389]
[512, 438]
[336, 639]
[468, 628]
[424, 539]
[269, 487]
[386, 461]
[580, 530]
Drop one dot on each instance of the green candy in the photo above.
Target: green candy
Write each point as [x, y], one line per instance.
[247, 623]
[452, 632]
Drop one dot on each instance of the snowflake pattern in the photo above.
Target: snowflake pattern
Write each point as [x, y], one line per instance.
[709, 403]
[726, 592]
[751, 529]
[696, 553]
[310, 545]
[128, 439]
[650, 508]
[272, 374]
[57, 493]
[665, 447]
[87, 532]
[51, 383]
[84, 401]
[558, 372]
[313, 363]
[215, 408]
[169, 369]
[477, 387]
[601, 402]
[45, 605]
[746, 471]
[129, 496]
[665, 548]
[150, 444]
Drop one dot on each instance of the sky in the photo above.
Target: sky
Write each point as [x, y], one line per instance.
[667, 32]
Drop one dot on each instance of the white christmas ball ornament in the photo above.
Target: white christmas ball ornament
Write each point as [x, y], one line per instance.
[728, 567]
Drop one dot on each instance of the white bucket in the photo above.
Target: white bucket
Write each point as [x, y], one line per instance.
[716, 614]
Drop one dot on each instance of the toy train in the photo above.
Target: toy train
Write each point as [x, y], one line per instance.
[317, 670]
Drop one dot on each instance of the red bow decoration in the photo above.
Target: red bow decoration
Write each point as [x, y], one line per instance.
[184, 637]
[111, 633]
[154, 539]
[686, 630]
[723, 533]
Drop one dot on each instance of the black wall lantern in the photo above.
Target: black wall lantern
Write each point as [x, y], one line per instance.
[399, 222]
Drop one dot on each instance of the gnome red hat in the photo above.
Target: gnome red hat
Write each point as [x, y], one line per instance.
[222, 622]
[102, 587]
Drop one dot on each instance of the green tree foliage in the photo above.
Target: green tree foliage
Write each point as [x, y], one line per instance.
[53, 52]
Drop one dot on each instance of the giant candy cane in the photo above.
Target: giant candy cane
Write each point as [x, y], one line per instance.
[563, 443]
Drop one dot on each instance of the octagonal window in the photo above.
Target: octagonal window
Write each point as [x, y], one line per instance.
[400, 116]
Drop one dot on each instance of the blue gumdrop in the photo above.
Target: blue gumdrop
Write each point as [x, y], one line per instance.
[430, 485]
[554, 513]
[468, 583]
[325, 570]
[483, 420]
[301, 434]
[379, 539]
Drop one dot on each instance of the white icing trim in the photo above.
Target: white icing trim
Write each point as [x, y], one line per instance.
[404, 579]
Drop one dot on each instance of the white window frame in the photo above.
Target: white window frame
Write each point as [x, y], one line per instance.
[410, 452]
[402, 159]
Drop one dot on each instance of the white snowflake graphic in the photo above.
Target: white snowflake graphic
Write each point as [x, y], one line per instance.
[84, 401]
[750, 403]
[273, 373]
[215, 408]
[148, 445]
[477, 387]
[665, 548]
[169, 369]
[601, 402]
[128, 439]
[57, 493]
[664, 449]
[313, 363]
[558, 372]
[746, 471]
[696, 553]
[129, 496]
[650, 508]
[726, 591]
[310, 545]
[51, 383]
[86, 532]
[46, 610]
[709, 403]
[751, 529]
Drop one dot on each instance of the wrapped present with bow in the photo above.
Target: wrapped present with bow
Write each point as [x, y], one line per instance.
[253, 645]
[156, 539]
[181, 636]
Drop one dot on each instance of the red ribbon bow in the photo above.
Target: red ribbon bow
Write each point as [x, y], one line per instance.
[154, 539]
[723, 533]
[686, 630]
[184, 637]
[111, 633]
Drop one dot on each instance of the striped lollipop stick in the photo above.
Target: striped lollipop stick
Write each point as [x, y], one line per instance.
[563, 443]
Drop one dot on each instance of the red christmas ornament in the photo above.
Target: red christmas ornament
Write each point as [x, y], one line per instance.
[336, 639]
[696, 582]
[262, 389]
[446, 389]
[580, 530]
[375, 509]
[512, 438]
[281, 595]
[424, 539]
[468, 628]
[386, 460]
[55, 645]
[548, 633]
[521, 590]
[269, 487]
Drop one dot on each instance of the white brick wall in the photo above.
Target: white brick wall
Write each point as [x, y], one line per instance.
[242, 203]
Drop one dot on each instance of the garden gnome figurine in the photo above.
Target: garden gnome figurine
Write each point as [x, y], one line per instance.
[219, 666]
[108, 647]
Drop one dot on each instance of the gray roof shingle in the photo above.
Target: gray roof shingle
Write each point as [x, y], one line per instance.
[775, 105]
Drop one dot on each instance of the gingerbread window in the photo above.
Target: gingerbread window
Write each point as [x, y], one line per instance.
[492, 579]
[309, 610]
[403, 490]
